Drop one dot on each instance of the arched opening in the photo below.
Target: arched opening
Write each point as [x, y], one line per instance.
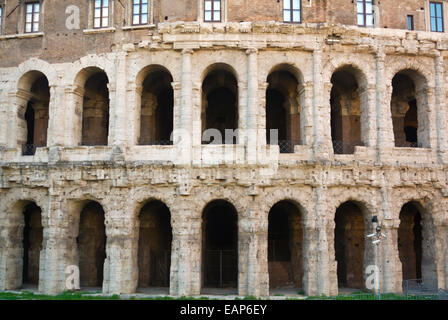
[154, 245]
[32, 244]
[349, 246]
[91, 245]
[410, 242]
[283, 110]
[285, 244]
[407, 99]
[219, 105]
[95, 114]
[345, 111]
[156, 121]
[220, 246]
[36, 111]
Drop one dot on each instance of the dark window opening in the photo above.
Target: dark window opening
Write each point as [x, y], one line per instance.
[32, 244]
[410, 22]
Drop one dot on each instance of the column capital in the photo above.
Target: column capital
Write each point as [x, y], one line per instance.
[187, 51]
[250, 51]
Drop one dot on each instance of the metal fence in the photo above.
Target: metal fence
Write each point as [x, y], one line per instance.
[344, 147]
[407, 144]
[221, 268]
[28, 150]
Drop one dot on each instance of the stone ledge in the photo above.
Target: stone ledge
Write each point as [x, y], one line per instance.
[100, 30]
[22, 36]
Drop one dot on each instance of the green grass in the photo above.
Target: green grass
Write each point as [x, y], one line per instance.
[372, 296]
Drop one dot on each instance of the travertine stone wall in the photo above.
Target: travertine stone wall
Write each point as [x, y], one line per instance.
[123, 176]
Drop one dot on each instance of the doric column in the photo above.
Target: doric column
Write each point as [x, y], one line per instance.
[368, 116]
[16, 124]
[57, 118]
[427, 130]
[251, 112]
[118, 111]
[320, 269]
[120, 266]
[253, 275]
[385, 140]
[321, 111]
[440, 110]
[391, 274]
[58, 250]
[183, 136]
[134, 103]
[306, 113]
[186, 248]
[74, 96]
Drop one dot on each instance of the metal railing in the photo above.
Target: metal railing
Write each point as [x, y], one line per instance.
[28, 149]
[161, 143]
[407, 144]
[221, 268]
[345, 147]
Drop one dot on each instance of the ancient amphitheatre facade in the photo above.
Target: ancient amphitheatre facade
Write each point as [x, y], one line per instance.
[89, 178]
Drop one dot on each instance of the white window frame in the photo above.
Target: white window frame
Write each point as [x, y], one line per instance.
[363, 4]
[33, 16]
[201, 11]
[288, 9]
[91, 15]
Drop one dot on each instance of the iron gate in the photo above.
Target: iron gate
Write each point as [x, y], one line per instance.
[221, 268]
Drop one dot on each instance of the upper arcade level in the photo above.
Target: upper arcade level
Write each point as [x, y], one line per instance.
[63, 31]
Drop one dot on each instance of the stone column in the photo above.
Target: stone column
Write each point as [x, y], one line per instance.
[57, 122]
[11, 249]
[321, 111]
[385, 140]
[427, 135]
[391, 271]
[134, 103]
[368, 116]
[73, 110]
[59, 250]
[183, 136]
[253, 275]
[262, 129]
[186, 250]
[118, 111]
[16, 124]
[320, 269]
[306, 113]
[439, 100]
[120, 266]
[252, 112]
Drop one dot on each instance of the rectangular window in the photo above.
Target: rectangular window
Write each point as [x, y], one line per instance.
[212, 11]
[1, 19]
[364, 9]
[436, 15]
[410, 20]
[32, 17]
[291, 11]
[139, 12]
[101, 14]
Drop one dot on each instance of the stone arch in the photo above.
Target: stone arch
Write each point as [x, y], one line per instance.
[417, 242]
[22, 228]
[93, 101]
[155, 99]
[220, 245]
[284, 96]
[154, 244]
[349, 104]
[365, 210]
[219, 111]
[285, 245]
[33, 103]
[409, 108]
[90, 242]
